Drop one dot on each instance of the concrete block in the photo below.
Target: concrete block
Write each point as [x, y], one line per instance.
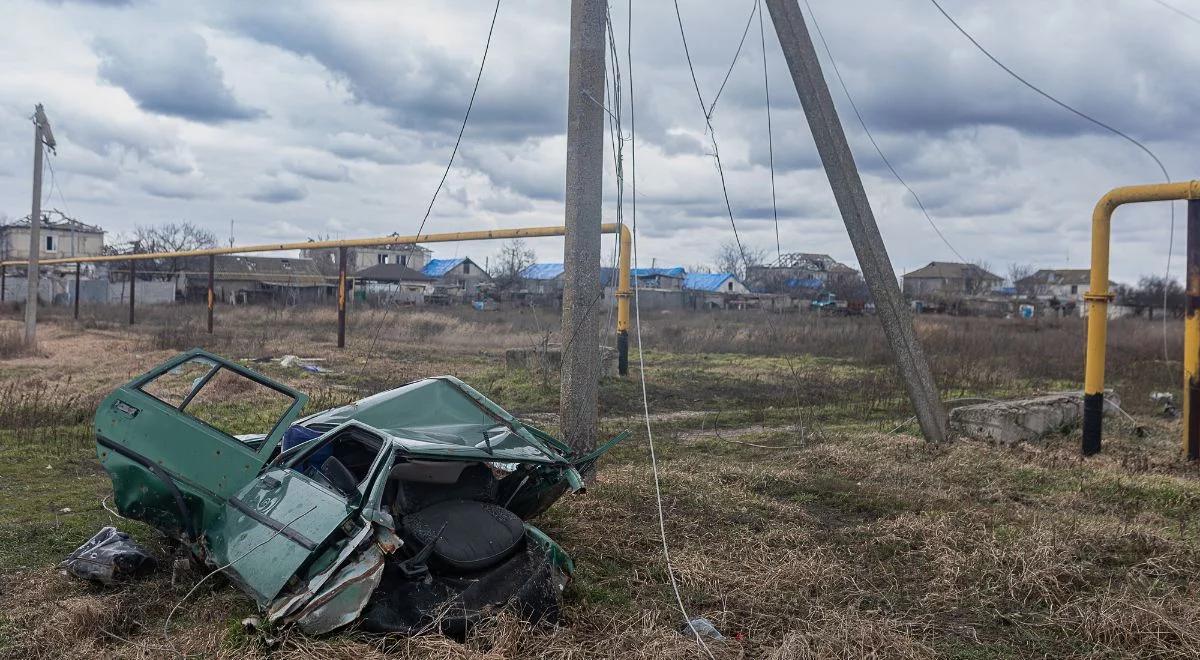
[1023, 420]
[533, 359]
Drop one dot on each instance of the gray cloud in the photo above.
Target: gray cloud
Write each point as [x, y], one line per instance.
[419, 85]
[171, 74]
[367, 100]
[170, 187]
[279, 191]
[317, 169]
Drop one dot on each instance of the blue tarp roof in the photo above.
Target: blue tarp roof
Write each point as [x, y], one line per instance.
[804, 283]
[674, 271]
[706, 281]
[542, 271]
[439, 267]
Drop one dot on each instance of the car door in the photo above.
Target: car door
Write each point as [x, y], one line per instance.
[287, 517]
[183, 437]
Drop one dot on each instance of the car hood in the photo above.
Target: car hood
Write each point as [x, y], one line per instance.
[442, 416]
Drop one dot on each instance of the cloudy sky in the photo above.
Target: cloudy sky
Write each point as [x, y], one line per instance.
[309, 118]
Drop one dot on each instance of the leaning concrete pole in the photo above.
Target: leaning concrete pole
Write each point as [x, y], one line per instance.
[578, 400]
[41, 136]
[856, 213]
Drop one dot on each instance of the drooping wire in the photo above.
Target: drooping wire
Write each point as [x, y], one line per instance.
[1097, 122]
[466, 116]
[1177, 10]
[712, 136]
[862, 122]
[637, 322]
[762, 37]
[378, 330]
[754, 9]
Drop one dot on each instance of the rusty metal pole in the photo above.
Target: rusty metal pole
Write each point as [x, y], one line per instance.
[78, 267]
[341, 297]
[132, 288]
[212, 266]
[1191, 338]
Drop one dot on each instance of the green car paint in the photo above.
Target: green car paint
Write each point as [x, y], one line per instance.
[304, 550]
[173, 469]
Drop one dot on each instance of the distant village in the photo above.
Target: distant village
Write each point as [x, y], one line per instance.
[409, 275]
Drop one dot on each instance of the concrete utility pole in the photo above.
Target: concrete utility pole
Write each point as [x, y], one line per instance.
[856, 213]
[579, 397]
[42, 136]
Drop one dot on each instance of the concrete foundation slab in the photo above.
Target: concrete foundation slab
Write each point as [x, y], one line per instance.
[1022, 420]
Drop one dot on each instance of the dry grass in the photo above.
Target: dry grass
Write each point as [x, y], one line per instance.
[848, 542]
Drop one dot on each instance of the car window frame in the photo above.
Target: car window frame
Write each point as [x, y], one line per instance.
[298, 399]
[362, 487]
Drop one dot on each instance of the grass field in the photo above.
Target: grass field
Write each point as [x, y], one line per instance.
[802, 521]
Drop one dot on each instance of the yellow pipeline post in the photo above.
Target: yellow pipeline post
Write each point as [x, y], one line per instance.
[1191, 338]
[1098, 298]
[623, 293]
[341, 297]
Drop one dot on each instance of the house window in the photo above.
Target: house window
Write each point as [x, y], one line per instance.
[49, 243]
[729, 287]
[466, 268]
[404, 260]
[1074, 289]
[382, 258]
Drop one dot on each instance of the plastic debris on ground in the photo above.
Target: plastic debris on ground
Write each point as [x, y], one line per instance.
[702, 627]
[1165, 402]
[109, 556]
[302, 363]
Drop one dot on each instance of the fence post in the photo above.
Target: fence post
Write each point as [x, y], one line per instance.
[341, 297]
[78, 267]
[212, 265]
[132, 288]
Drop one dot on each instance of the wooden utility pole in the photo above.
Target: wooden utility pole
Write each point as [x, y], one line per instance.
[579, 397]
[856, 212]
[42, 136]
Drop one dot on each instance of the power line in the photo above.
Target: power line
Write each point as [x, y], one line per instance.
[1177, 11]
[1048, 96]
[470, 104]
[762, 37]
[637, 320]
[454, 152]
[736, 54]
[712, 135]
[1097, 122]
[862, 122]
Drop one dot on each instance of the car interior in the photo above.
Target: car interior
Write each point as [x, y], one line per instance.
[446, 511]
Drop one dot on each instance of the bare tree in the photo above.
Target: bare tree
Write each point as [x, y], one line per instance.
[1019, 275]
[734, 258]
[171, 237]
[515, 256]
[980, 280]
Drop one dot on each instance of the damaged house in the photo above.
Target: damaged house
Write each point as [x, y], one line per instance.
[240, 279]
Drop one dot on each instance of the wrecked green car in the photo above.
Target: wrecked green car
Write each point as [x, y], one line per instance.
[404, 511]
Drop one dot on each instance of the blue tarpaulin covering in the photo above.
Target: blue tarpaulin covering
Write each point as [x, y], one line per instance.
[439, 267]
[542, 271]
[706, 281]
